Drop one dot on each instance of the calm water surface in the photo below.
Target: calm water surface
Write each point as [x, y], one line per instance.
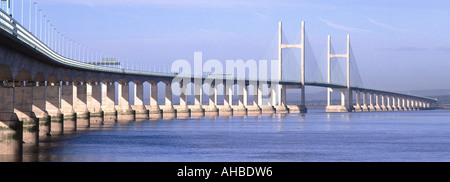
[315, 136]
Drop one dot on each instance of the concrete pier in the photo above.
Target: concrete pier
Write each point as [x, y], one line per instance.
[39, 110]
[227, 100]
[23, 107]
[242, 102]
[141, 112]
[123, 108]
[212, 100]
[198, 94]
[378, 102]
[52, 105]
[357, 106]
[108, 99]
[93, 99]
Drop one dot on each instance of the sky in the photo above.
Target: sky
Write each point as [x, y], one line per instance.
[398, 45]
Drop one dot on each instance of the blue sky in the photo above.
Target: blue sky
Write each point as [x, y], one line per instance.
[399, 45]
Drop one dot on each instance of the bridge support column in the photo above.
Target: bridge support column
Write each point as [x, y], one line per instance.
[198, 92]
[52, 105]
[400, 104]
[139, 109]
[257, 99]
[377, 102]
[349, 99]
[93, 103]
[346, 101]
[39, 100]
[394, 103]
[11, 129]
[413, 105]
[273, 95]
[68, 92]
[154, 110]
[282, 106]
[357, 106]
[303, 108]
[168, 109]
[183, 108]
[23, 107]
[364, 106]
[388, 103]
[227, 98]
[80, 104]
[94, 95]
[271, 102]
[124, 110]
[371, 102]
[242, 103]
[406, 104]
[212, 107]
[108, 101]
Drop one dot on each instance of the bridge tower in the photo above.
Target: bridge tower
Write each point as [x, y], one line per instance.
[282, 88]
[346, 99]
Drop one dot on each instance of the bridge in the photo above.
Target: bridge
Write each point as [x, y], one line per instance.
[44, 92]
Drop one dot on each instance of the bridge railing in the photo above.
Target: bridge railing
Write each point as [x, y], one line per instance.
[15, 29]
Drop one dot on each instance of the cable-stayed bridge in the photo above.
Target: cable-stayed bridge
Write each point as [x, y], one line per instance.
[48, 87]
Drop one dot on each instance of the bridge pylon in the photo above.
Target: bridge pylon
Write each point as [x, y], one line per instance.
[282, 88]
[346, 93]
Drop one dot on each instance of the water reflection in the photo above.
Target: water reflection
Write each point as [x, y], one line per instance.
[259, 137]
